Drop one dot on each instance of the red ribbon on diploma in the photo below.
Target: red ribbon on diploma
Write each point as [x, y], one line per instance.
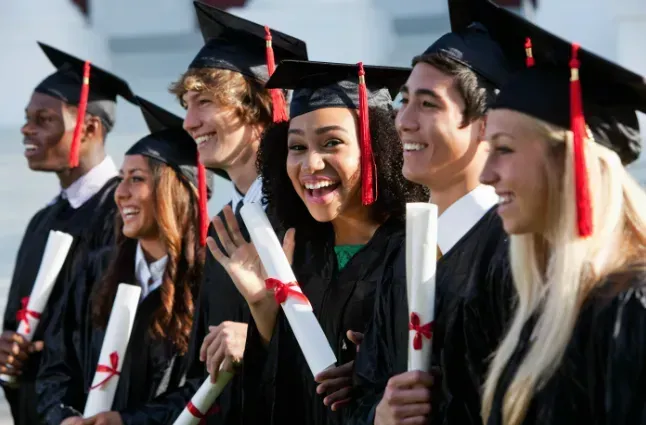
[283, 290]
[199, 415]
[111, 370]
[23, 314]
[420, 330]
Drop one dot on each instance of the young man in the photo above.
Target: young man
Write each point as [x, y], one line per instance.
[441, 123]
[83, 209]
[227, 110]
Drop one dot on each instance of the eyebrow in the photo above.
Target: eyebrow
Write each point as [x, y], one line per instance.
[494, 137]
[318, 131]
[132, 170]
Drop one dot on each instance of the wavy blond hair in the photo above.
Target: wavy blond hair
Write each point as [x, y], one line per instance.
[554, 273]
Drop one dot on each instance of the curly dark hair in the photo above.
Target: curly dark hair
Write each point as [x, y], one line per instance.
[176, 215]
[393, 190]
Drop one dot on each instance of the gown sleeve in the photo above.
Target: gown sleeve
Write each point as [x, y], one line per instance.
[60, 382]
[383, 351]
[620, 346]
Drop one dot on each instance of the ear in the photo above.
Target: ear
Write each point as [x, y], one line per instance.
[483, 126]
[93, 128]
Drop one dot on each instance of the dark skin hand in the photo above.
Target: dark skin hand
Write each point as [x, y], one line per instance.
[336, 382]
[14, 351]
[406, 400]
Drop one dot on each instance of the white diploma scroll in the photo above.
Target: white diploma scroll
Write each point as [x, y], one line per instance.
[421, 263]
[304, 324]
[113, 350]
[56, 250]
[200, 405]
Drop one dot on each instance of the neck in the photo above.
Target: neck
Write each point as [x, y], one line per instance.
[353, 230]
[153, 249]
[448, 196]
[243, 172]
[69, 175]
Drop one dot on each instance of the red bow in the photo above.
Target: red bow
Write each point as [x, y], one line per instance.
[23, 314]
[201, 416]
[420, 331]
[283, 290]
[111, 370]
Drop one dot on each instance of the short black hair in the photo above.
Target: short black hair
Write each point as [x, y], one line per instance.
[477, 92]
[393, 190]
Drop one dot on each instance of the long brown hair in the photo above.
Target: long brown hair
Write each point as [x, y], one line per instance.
[176, 216]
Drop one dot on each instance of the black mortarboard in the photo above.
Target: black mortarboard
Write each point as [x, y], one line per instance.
[239, 45]
[91, 88]
[320, 85]
[170, 144]
[570, 87]
[470, 44]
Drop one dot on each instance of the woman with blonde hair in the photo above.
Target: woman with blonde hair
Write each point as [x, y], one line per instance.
[575, 351]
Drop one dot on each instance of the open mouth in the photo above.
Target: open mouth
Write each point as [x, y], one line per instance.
[414, 147]
[30, 149]
[128, 213]
[321, 192]
[204, 139]
[504, 200]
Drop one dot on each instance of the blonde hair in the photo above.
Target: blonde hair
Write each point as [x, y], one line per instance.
[554, 273]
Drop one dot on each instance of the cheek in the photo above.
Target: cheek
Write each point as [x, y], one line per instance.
[292, 167]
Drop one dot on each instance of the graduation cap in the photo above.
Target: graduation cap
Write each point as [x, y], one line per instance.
[170, 144]
[470, 43]
[573, 88]
[320, 85]
[90, 88]
[239, 45]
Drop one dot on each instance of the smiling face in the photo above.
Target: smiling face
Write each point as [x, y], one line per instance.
[438, 146]
[47, 133]
[223, 139]
[522, 167]
[323, 162]
[135, 198]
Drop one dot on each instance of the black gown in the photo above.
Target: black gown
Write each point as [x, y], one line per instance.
[601, 379]
[218, 301]
[92, 226]
[472, 304]
[278, 386]
[150, 367]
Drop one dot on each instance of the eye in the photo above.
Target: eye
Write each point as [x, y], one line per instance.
[332, 143]
[204, 101]
[428, 104]
[503, 150]
[404, 100]
[137, 179]
[296, 147]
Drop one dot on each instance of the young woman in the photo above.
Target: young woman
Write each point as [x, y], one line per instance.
[574, 352]
[346, 219]
[158, 248]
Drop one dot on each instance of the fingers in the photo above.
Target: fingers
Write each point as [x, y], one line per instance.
[232, 226]
[36, 347]
[289, 244]
[215, 251]
[340, 396]
[355, 337]
[208, 339]
[402, 396]
[411, 379]
[332, 385]
[223, 236]
[215, 362]
[335, 372]
[338, 405]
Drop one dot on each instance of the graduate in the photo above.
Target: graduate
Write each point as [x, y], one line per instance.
[227, 110]
[561, 132]
[341, 193]
[158, 248]
[441, 123]
[59, 140]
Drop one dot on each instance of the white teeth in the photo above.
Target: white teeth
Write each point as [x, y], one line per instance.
[505, 199]
[413, 146]
[30, 147]
[202, 139]
[130, 211]
[318, 185]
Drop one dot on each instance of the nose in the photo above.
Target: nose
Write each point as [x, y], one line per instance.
[406, 119]
[489, 174]
[192, 120]
[121, 193]
[27, 129]
[313, 161]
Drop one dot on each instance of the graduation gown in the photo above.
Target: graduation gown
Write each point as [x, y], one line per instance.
[278, 386]
[150, 367]
[218, 301]
[471, 310]
[602, 376]
[92, 226]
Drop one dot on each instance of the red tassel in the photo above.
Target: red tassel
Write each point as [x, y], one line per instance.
[577, 122]
[529, 56]
[203, 216]
[75, 149]
[279, 105]
[368, 169]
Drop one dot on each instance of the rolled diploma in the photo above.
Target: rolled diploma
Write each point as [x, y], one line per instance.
[56, 250]
[304, 324]
[421, 264]
[204, 398]
[117, 335]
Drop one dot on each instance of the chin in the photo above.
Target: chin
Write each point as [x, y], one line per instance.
[413, 175]
[322, 214]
